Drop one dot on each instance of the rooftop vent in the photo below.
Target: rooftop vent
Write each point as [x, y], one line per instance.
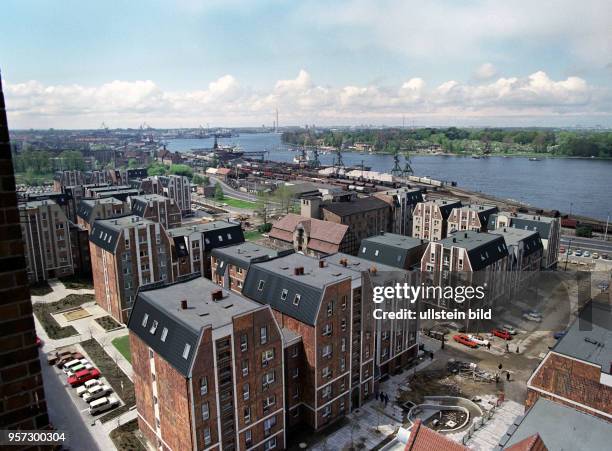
[184, 304]
[344, 262]
[321, 264]
[298, 271]
[373, 269]
[216, 295]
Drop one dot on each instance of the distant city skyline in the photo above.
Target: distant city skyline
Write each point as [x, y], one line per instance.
[232, 63]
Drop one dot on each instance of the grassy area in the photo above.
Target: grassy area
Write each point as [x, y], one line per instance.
[123, 346]
[44, 311]
[40, 288]
[77, 282]
[237, 203]
[124, 437]
[114, 376]
[252, 235]
[108, 323]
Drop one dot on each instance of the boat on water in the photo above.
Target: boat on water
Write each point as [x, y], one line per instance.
[535, 159]
[476, 157]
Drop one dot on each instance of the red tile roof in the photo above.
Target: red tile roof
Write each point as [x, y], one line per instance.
[532, 443]
[324, 236]
[424, 439]
[223, 171]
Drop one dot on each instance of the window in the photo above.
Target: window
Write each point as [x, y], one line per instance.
[326, 411]
[343, 344]
[267, 379]
[248, 438]
[330, 308]
[341, 405]
[294, 351]
[269, 402]
[270, 444]
[296, 392]
[269, 423]
[245, 368]
[247, 415]
[343, 324]
[207, 438]
[327, 330]
[326, 372]
[363, 250]
[244, 342]
[229, 236]
[327, 391]
[153, 327]
[205, 411]
[296, 373]
[164, 334]
[284, 294]
[266, 356]
[203, 385]
[344, 300]
[246, 392]
[220, 238]
[263, 335]
[342, 364]
[150, 353]
[326, 352]
[296, 299]
[145, 319]
[186, 351]
[376, 253]
[261, 285]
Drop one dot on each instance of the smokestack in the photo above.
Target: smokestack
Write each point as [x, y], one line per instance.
[184, 304]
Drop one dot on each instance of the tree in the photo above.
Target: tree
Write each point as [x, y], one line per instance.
[156, 168]
[72, 160]
[263, 206]
[219, 195]
[181, 169]
[200, 180]
[132, 163]
[284, 196]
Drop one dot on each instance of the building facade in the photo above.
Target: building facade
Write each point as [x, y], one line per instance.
[430, 218]
[89, 210]
[402, 202]
[397, 251]
[157, 208]
[470, 217]
[175, 187]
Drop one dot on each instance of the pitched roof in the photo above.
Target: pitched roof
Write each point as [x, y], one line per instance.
[424, 439]
[390, 249]
[86, 206]
[215, 234]
[243, 254]
[530, 238]
[531, 443]
[541, 224]
[324, 236]
[359, 205]
[105, 232]
[483, 249]
[446, 205]
[274, 282]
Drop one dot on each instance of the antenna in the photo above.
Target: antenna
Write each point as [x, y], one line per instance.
[276, 123]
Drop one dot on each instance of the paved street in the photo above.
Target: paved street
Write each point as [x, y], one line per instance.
[590, 244]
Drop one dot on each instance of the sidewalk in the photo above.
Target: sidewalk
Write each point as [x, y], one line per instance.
[59, 292]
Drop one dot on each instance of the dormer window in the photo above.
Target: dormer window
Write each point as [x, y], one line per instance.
[153, 327]
[164, 334]
[145, 318]
[261, 285]
[296, 299]
[186, 351]
[284, 294]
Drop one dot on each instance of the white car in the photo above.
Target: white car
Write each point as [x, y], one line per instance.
[532, 317]
[511, 330]
[103, 404]
[86, 386]
[78, 363]
[96, 392]
[479, 340]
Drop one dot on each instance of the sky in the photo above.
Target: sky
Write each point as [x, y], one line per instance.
[185, 63]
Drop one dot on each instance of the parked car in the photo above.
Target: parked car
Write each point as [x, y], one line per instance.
[595, 255]
[531, 317]
[586, 254]
[86, 386]
[508, 328]
[76, 369]
[562, 250]
[503, 334]
[478, 340]
[103, 404]
[559, 335]
[83, 376]
[605, 256]
[73, 366]
[96, 392]
[464, 340]
[577, 252]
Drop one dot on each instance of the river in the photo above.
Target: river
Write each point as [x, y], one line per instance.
[583, 186]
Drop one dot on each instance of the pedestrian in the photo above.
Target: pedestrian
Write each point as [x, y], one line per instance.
[386, 400]
[517, 349]
[382, 396]
[431, 355]
[507, 347]
[497, 378]
[376, 395]
[488, 345]
[508, 376]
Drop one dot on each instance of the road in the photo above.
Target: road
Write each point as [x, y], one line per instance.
[231, 192]
[590, 244]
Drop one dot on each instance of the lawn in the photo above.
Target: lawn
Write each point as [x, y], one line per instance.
[77, 283]
[252, 235]
[124, 437]
[43, 313]
[108, 323]
[237, 203]
[123, 346]
[40, 288]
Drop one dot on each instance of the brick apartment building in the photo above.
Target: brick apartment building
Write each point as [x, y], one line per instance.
[314, 302]
[46, 235]
[22, 396]
[467, 258]
[430, 218]
[397, 251]
[548, 228]
[192, 245]
[470, 217]
[62, 179]
[577, 372]
[230, 264]
[365, 216]
[158, 209]
[208, 369]
[175, 187]
[313, 236]
[127, 253]
[89, 210]
[402, 202]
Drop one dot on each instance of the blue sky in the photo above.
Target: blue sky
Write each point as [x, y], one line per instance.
[74, 63]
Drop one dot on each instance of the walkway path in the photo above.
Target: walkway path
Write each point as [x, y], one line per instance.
[59, 292]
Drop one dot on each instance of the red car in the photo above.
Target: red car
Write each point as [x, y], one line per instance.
[464, 340]
[83, 376]
[503, 334]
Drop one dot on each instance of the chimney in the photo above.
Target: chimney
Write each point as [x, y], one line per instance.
[184, 304]
[298, 271]
[321, 264]
[373, 269]
[216, 295]
[344, 262]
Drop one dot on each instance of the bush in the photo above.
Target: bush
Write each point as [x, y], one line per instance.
[40, 288]
[108, 323]
[265, 228]
[44, 311]
[124, 437]
[77, 282]
[584, 231]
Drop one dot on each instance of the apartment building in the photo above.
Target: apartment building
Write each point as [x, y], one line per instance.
[314, 302]
[397, 251]
[175, 187]
[430, 218]
[548, 228]
[46, 235]
[467, 258]
[62, 179]
[470, 217]
[64, 200]
[402, 202]
[230, 264]
[89, 210]
[525, 253]
[192, 245]
[158, 209]
[208, 369]
[365, 216]
[313, 236]
[387, 344]
[577, 372]
[127, 253]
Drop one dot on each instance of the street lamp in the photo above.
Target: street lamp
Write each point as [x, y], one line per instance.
[606, 232]
[567, 252]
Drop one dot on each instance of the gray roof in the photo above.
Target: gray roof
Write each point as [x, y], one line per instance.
[512, 237]
[243, 254]
[86, 206]
[415, 195]
[390, 249]
[358, 265]
[589, 338]
[184, 326]
[278, 275]
[105, 232]
[139, 203]
[290, 337]
[560, 428]
[359, 205]
[103, 188]
[36, 203]
[215, 234]
[121, 194]
[446, 205]
[483, 210]
[541, 224]
[483, 249]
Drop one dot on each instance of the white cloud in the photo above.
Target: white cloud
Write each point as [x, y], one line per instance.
[226, 102]
[485, 71]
